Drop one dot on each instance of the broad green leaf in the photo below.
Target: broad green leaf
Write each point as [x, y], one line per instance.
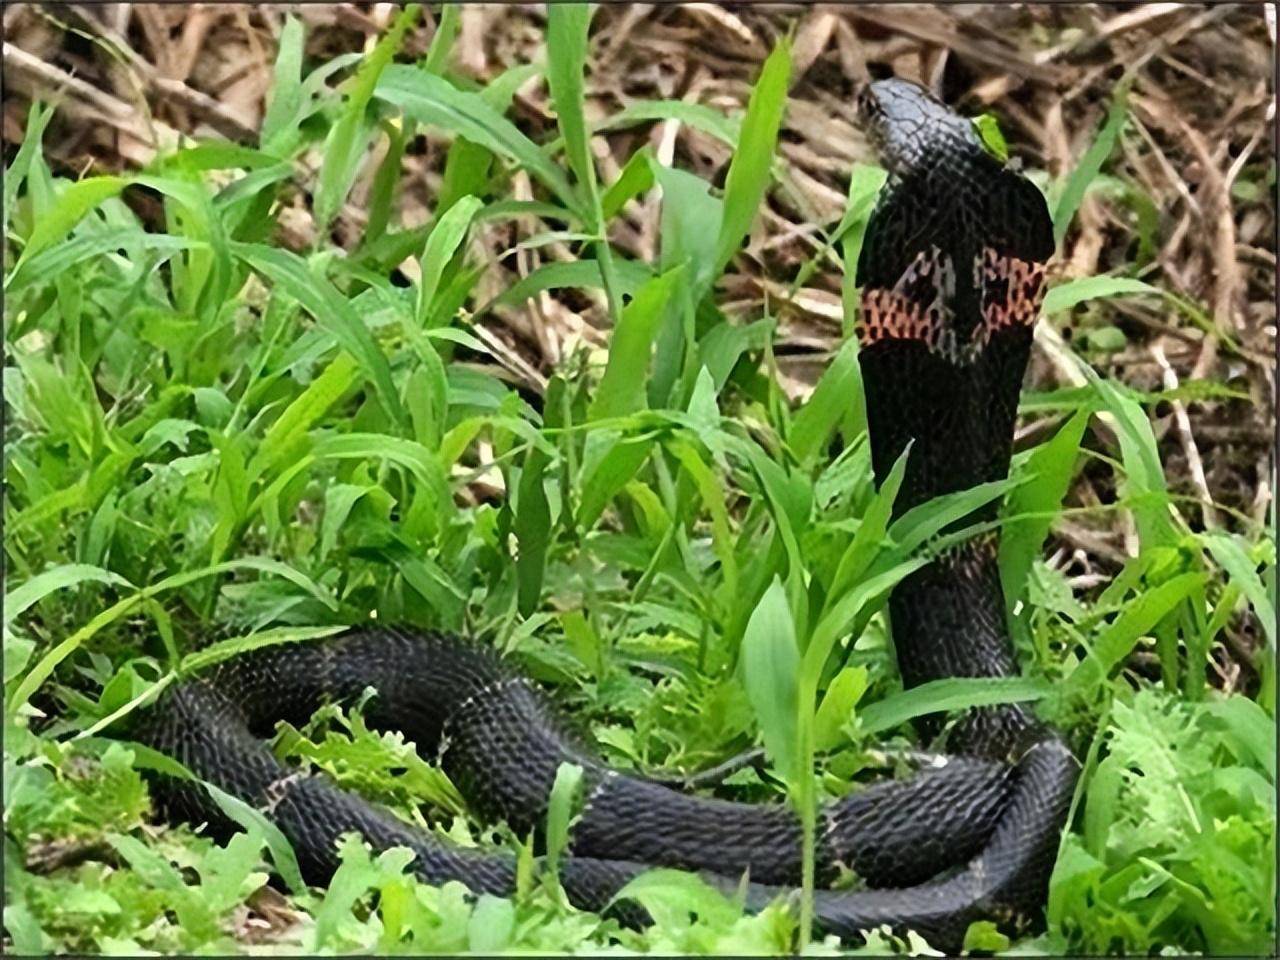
[721, 347]
[841, 615]
[634, 179]
[621, 389]
[837, 707]
[413, 456]
[216, 156]
[771, 673]
[871, 532]
[713, 498]
[357, 874]
[17, 653]
[609, 476]
[73, 251]
[386, 181]
[697, 115]
[285, 434]
[332, 311]
[865, 184]
[493, 921]
[951, 693]
[1100, 813]
[203, 278]
[1252, 727]
[924, 521]
[671, 897]
[468, 165]
[988, 129]
[235, 646]
[1230, 554]
[282, 853]
[583, 642]
[690, 221]
[339, 499]
[445, 238]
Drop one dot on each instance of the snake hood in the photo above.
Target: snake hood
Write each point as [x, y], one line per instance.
[910, 127]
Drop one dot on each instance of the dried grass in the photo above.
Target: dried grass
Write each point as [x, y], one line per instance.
[133, 78]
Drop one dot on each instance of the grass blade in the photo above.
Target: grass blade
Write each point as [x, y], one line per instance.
[37, 119]
[750, 169]
[576, 273]
[442, 42]
[1144, 482]
[567, 26]
[59, 578]
[533, 532]
[349, 137]
[432, 100]
[286, 88]
[562, 806]
[445, 238]
[1090, 165]
[951, 693]
[1050, 468]
[1137, 619]
[1242, 571]
[1067, 295]
[49, 662]
[70, 207]
[332, 312]
[817, 419]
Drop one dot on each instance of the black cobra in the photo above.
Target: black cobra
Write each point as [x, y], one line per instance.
[952, 271]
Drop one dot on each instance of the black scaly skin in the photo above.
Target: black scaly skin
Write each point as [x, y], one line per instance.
[502, 743]
[972, 839]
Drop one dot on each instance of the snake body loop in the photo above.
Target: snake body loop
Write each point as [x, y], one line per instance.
[952, 277]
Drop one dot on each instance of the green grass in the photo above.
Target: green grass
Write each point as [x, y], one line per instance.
[214, 439]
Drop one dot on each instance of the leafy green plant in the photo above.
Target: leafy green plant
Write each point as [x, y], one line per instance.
[1179, 832]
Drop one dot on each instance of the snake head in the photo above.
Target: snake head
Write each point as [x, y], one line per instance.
[910, 127]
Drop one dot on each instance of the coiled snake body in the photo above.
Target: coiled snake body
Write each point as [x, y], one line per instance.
[952, 271]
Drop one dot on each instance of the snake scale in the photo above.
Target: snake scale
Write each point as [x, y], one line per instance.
[952, 271]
